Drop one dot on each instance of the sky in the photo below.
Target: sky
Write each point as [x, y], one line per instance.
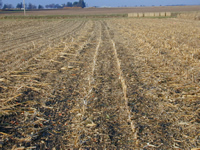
[109, 3]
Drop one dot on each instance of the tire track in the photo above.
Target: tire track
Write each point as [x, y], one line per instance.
[76, 83]
[104, 117]
[124, 86]
[57, 92]
[157, 117]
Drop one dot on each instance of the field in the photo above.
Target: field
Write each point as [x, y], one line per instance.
[104, 11]
[100, 83]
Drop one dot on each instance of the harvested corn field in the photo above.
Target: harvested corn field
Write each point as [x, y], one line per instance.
[100, 84]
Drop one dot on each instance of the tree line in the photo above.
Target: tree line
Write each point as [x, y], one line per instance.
[79, 3]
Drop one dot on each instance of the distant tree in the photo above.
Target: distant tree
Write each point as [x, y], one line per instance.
[53, 6]
[40, 7]
[57, 6]
[8, 6]
[81, 3]
[63, 5]
[47, 6]
[19, 5]
[75, 4]
[1, 4]
[31, 6]
[69, 4]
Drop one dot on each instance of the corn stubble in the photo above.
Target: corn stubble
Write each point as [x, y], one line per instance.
[190, 15]
[118, 83]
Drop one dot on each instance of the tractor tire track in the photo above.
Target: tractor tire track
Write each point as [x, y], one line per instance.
[103, 115]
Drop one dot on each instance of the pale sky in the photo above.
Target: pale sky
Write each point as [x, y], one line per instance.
[110, 3]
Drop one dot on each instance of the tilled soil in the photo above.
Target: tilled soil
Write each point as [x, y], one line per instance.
[93, 85]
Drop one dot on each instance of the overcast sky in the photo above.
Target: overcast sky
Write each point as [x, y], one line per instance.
[111, 3]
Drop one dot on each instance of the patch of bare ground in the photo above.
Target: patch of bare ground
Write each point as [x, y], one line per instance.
[104, 84]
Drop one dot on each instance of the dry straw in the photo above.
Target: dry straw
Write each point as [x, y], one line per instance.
[167, 65]
[192, 16]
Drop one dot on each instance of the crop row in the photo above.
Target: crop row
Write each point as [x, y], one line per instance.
[161, 68]
[118, 83]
